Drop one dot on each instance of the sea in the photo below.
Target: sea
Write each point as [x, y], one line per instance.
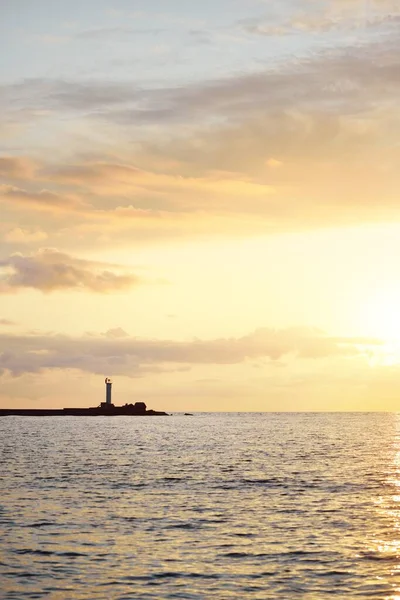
[224, 506]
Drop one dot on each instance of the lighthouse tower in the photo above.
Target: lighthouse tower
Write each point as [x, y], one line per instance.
[108, 383]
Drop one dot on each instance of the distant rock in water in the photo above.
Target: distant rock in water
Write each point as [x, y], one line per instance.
[188, 415]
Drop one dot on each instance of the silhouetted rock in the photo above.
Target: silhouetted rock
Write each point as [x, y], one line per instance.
[138, 409]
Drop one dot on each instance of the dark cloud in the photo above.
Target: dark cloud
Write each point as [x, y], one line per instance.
[131, 356]
[49, 270]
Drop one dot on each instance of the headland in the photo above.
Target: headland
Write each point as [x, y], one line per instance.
[106, 409]
[135, 410]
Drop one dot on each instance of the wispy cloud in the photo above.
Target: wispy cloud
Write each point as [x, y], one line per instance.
[7, 322]
[25, 236]
[42, 200]
[117, 33]
[304, 17]
[313, 24]
[368, 70]
[15, 167]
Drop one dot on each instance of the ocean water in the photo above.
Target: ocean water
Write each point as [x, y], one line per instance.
[219, 506]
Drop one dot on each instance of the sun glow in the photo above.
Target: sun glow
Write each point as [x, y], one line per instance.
[380, 316]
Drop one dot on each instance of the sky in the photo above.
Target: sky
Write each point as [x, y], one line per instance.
[200, 200]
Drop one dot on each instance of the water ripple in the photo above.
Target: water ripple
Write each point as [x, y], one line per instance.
[274, 506]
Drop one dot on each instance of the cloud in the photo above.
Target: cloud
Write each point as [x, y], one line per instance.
[116, 33]
[273, 163]
[96, 174]
[324, 17]
[156, 191]
[23, 236]
[7, 322]
[211, 164]
[352, 78]
[313, 82]
[124, 355]
[305, 23]
[15, 167]
[116, 333]
[44, 199]
[41, 95]
[49, 270]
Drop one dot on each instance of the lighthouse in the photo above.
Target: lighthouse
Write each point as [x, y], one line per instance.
[108, 383]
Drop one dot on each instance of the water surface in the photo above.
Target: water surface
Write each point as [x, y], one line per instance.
[217, 506]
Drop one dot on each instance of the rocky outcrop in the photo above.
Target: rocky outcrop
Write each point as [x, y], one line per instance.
[138, 409]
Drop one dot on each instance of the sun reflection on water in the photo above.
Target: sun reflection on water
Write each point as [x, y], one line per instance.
[386, 546]
[298, 506]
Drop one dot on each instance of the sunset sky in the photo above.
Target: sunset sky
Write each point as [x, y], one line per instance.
[201, 201]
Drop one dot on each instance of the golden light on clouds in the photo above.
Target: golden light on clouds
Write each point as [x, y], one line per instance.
[274, 163]
[252, 186]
